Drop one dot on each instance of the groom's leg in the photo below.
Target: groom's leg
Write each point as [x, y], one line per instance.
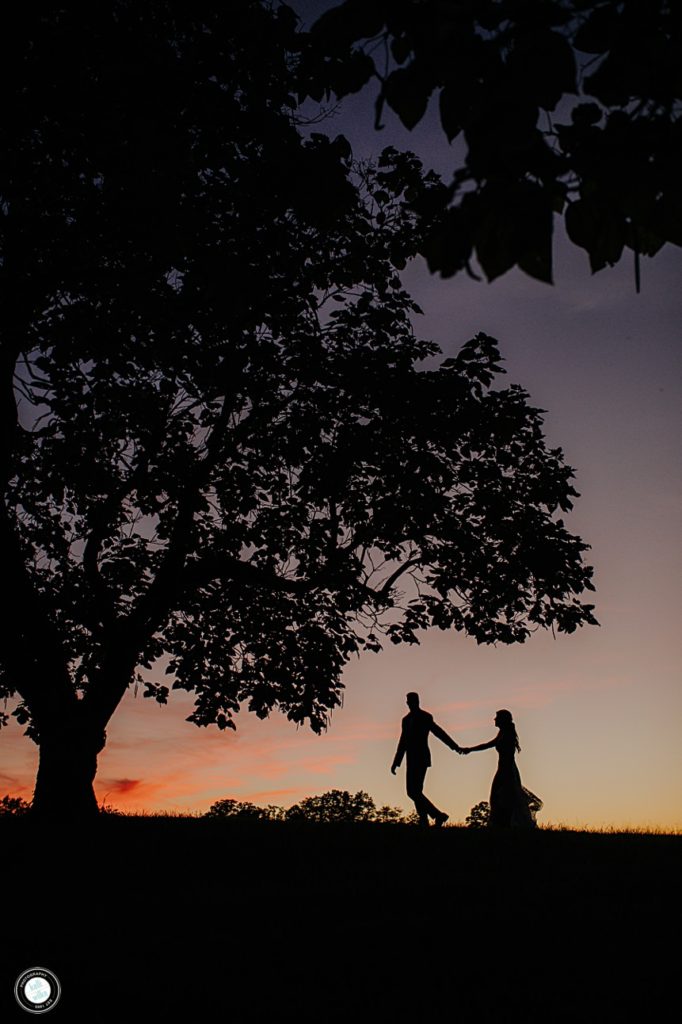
[430, 808]
[415, 790]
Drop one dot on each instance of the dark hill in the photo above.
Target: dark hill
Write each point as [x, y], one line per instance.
[239, 922]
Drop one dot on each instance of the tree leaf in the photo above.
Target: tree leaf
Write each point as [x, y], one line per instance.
[407, 91]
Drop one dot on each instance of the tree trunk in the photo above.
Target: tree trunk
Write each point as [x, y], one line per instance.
[66, 771]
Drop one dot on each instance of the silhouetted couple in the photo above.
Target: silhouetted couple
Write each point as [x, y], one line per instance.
[510, 804]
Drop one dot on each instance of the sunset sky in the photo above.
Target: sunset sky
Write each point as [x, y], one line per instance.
[598, 713]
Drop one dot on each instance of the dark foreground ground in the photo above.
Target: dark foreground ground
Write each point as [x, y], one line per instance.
[232, 922]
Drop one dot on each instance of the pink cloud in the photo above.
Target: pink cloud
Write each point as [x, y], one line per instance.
[135, 794]
[123, 786]
[11, 785]
[542, 694]
[265, 795]
[323, 765]
[463, 705]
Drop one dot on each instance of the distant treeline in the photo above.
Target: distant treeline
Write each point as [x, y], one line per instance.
[334, 806]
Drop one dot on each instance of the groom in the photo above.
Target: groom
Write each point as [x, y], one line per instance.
[414, 741]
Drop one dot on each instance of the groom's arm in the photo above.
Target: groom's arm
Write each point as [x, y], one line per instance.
[400, 752]
[442, 735]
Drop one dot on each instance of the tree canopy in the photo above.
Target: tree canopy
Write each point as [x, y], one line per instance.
[244, 810]
[564, 107]
[226, 454]
[335, 806]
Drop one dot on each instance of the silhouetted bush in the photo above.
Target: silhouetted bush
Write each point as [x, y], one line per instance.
[478, 815]
[14, 806]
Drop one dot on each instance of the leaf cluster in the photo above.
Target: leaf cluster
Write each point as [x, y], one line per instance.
[504, 73]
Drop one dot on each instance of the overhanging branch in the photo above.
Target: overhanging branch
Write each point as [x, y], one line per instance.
[395, 576]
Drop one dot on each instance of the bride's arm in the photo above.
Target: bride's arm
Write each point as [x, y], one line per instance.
[481, 746]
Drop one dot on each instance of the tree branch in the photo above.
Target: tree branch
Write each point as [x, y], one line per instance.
[127, 636]
[104, 598]
[392, 579]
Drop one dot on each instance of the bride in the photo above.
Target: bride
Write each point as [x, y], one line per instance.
[510, 803]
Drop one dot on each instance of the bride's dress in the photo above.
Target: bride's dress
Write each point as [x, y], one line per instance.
[511, 804]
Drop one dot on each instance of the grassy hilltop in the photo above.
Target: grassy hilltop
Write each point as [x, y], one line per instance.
[260, 921]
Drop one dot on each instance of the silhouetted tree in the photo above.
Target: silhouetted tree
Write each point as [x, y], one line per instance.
[14, 806]
[244, 809]
[221, 452]
[503, 71]
[388, 815]
[478, 815]
[335, 806]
